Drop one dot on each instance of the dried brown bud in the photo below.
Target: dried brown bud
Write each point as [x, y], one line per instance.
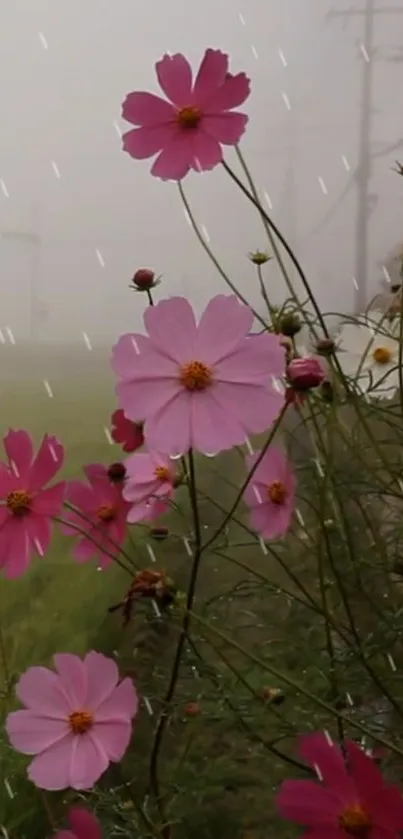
[289, 325]
[325, 346]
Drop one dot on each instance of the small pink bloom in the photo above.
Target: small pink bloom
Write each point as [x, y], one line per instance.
[129, 434]
[351, 800]
[103, 513]
[82, 825]
[270, 494]
[76, 721]
[205, 386]
[27, 507]
[149, 485]
[305, 373]
[188, 130]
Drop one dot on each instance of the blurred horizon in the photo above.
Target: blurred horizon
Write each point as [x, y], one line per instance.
[78, 216]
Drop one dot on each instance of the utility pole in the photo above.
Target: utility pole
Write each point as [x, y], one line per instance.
[365, 201]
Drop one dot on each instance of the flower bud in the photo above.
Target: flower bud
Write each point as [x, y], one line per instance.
[305, 373]
[192, 709]
[144, 279]
[116, 473]
[325, 347]
[259, 257]
[289, 325]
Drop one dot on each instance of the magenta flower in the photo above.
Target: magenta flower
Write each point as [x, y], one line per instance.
[102, 515]
[27, 506]
[188, 130]
[76, 721]
[129, 434]
[305, 373]
[352, 800]
[270, 494]
[82, 825]
[149, 485]
[205, 386]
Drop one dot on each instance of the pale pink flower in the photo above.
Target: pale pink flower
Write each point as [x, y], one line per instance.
[270, 494]
[205, 386]
[82, 825]
[187, 131]
[102, 515]
[149, 485]
[75, 721]
[26, 507]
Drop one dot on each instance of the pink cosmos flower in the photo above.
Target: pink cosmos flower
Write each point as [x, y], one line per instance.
[205, 386]
[188, 130]
[103, 515]
[27, 507]
[270, 493]
[149, 485]
[83, 825]
[76, 721]
[352, 800]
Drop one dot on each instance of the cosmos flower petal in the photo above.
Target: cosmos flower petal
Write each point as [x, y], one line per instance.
[229, 321]
[175, 78]
[211, 76]
[171, 327]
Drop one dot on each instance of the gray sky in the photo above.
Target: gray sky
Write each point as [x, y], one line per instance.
[66, 66]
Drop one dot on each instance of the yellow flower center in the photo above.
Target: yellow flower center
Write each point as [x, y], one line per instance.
[106, 513]
[382, 355]
[277, 492]
[355, 821]
[80, 721]
[195, 376]
[19, 502]
[162, 473]
[189, 117]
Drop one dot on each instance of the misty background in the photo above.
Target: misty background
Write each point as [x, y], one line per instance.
[78, 216]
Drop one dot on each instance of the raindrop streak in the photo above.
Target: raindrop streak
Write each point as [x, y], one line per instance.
[8, 788]
[242, 19]
[151, 553]
[322, 185]
[286, 101]
[268, 200]
[100, 258]
[354, 282]
[300, 517]
[48, 388]
[364, 52]
[248, 445]
[108, 435]
[4, 189]
[87, 341]
[118, 128]
[2, 338]
[43, 41]
[282, 57]
[55, 169]
[188, 549]
[205, 233]
[135, 346]
[386, 274]
[254, 51]
[345, 163]
[10, 335]
[263, 546]
[148, 705]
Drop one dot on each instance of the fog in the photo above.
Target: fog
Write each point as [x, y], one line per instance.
[78, 216]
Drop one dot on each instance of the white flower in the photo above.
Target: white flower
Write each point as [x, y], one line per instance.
[369, 354]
